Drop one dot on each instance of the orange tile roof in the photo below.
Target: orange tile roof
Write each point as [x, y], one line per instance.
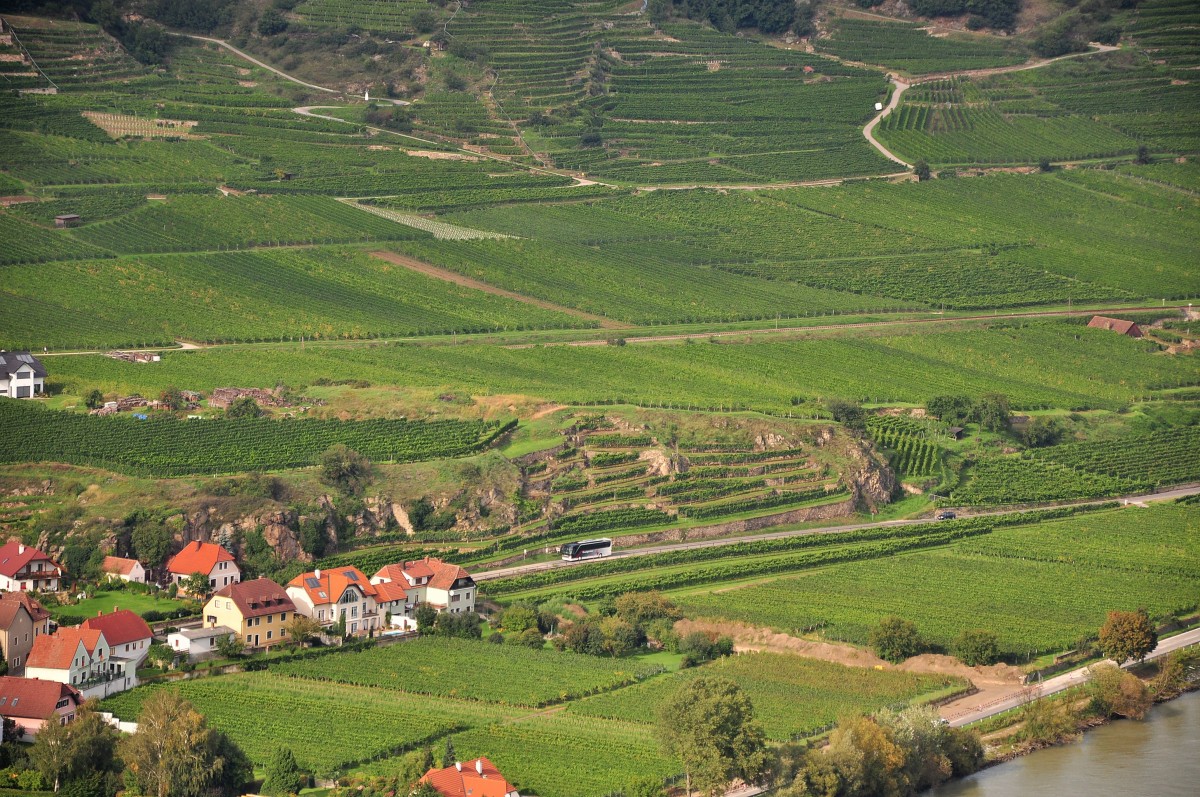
[440, 574]
[33, 698]
[391, 591]
[8, 613]
[118, 565]
[329, 585]
[35, 608]
[198, 557]
[258, 597]
[119, 626]
[14, 556]
[56, 651]
[477, 778]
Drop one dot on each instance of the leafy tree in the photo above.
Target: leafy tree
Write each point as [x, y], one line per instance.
[449, 757]
[413, 765]
[426, 617]
[848, 413]
[175, 753]
[94, 399]
[1128, 635]
[196, 585]
[424, 21]
[977, 647]
[244, 407]
[1172, 677]
[284, 775]
[151, 541]
[301, 629]
[51, 752]
[313, 539]
[931, 749]
[172, 399]
[863, 758]
[518, 618]
[463, 626]
[1115, 691]
[425, 789]
[271, 23]
[620, 636]
[531, 638]
[346, 469]
[1045, 721]
[640, 608]
[708, 724]
[921, 170]
[1044, 165]
[1143, 156]
[1043, 431]
[992, 411]
[66, 754]
[953, 410]
[231, 646]
[896, 639]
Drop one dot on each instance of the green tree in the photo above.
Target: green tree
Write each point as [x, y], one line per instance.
[530, 638]
[271, 23]
[953, 410]
[1043, 431]
[921, 170]
[283, 775]
[345, 469]
[1115, 691]
[848, 413]
[175, 754]
[977, 647]
[863, 758]
[151, 541]
[896, 639]
[301, 629]
[413, 765]
[67, 754]
[1128, 635]
[992, 411]
[197, 585]
[708, 724]
[518, 618]
[450, 757]
[426, 617]
[244, 407]
[640, 608]
[51, 752]
[1045, 721]
[231, 646]
[172, 399]
[620, 636]
[94, 399]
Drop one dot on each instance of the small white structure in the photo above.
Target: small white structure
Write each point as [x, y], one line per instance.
[21, 375]
[130, 570]
[197, 643]
[879, 106]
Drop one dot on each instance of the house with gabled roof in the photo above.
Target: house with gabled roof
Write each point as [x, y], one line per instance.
[21, 375]
[29, 702]
[328, 596]
[127, 634]
[1128, 328]
[130, 570]
[475, 778]
[445, 587]
[16, 632]
[82, 658]
[23, 567]
[204, 557]
[37, 612]
[254, 610]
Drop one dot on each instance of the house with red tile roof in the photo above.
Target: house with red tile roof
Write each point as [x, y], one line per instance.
[127, 635]
[16, 633]
[445, 587]
[395, 605]
[125, 569]
[1116, 325]
[476, 778]
[204, 557]
[37, 612]
[29, 701]
[82, 658]
[255, 610]
[23, 567]
[328, 596]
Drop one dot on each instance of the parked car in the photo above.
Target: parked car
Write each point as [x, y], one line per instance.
[946, 515]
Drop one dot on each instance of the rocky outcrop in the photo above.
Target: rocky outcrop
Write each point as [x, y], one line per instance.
[206, 524]
[872, 481]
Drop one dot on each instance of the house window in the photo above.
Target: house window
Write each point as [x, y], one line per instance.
[354, 612]
[282, 616]
[270, 618]
[269, 634]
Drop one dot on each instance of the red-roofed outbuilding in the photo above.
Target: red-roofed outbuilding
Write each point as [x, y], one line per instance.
[475, 778]
[1116, 325]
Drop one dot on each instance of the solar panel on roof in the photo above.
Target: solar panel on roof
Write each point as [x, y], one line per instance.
[312, 583]
[25, 358]
[350, 574]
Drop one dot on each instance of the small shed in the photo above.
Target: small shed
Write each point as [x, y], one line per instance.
[956, 432]
[67, 220]
[197, 643]
[1116, 325]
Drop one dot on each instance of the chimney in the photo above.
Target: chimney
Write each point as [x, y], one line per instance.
[479, 765]
[21, 548]
[458, 765]
[100, 612]
[317, 573]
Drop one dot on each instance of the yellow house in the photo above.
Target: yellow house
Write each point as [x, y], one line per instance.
[255, 610]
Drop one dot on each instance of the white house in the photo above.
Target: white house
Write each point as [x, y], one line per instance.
[208, 558]
[445, 587]
[21, 375]
[125, 569]
[82, 658]
[23, 567]
[341, 593]
[126, 633]
[197, 643]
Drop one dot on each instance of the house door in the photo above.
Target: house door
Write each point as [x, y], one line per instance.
[22, 391]
[255, 641]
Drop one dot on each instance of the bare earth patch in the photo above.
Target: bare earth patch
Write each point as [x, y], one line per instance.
[120, 126]
[441, 156]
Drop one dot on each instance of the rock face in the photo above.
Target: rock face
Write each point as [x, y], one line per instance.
[278, 527]
[872, 481]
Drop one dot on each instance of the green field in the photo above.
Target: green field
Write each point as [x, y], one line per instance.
[1043, 602]
[442, 667]
[793, 697]
[905, 46]
[106, 602]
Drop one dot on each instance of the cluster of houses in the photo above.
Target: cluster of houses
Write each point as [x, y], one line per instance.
[54, 670]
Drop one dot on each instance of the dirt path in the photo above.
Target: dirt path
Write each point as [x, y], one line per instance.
[256, 62]
[869, 130]
[458, 279]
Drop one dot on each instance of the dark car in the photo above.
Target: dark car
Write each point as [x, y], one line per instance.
[946, 516]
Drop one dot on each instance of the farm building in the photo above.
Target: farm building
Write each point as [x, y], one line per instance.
[956, 432]
[124, 569]
[23, 567]
[67, 220]
[1116, 325]
[204, 557]
[30, 701]
[476, 778]
[21, 375]
[255, 610]
[445, 587]
[197, 643]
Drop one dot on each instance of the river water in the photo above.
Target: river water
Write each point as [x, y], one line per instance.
[1160, 757]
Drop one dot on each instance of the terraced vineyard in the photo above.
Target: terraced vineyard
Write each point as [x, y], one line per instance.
[913, 454]
[793, 697]
[908, 47]
[171, 447]
[1041, 602]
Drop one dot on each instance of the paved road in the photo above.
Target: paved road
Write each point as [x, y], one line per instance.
[1065, 681]
[1166, 495]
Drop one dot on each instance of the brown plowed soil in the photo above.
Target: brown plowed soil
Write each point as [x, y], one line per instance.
[458, 279]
